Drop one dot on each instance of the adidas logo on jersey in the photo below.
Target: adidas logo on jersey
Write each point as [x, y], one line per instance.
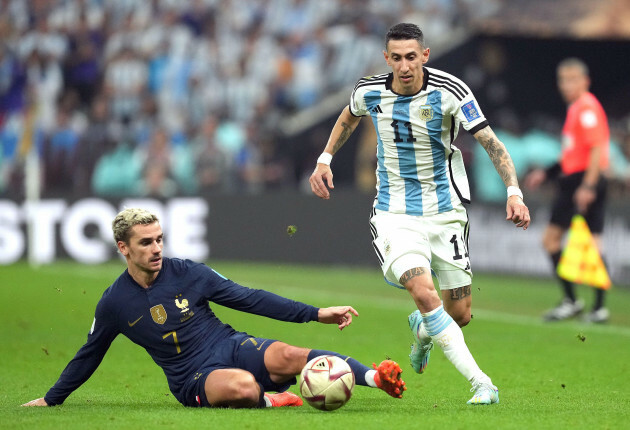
[376, 109]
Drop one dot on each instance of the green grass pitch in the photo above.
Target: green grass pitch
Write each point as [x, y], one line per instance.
[551, 376]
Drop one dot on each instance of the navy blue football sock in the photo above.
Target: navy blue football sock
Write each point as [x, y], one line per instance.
[358, 368]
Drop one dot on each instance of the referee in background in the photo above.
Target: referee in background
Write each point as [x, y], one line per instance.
[580, 175]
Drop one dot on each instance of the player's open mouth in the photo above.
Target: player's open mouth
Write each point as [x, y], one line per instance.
[406, 79]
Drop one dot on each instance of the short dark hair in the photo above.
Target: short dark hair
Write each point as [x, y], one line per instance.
[405, 31]
[573, 62]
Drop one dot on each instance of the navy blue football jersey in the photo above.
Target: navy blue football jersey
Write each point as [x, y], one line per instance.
[172, 320]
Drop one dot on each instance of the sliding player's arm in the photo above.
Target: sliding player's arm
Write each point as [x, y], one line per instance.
[322, 178]
[84, 363]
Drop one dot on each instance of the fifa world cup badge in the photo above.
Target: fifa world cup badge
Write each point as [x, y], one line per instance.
[158, 313]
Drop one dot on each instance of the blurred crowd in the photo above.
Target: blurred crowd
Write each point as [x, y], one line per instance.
[167, 97]
[164, 97]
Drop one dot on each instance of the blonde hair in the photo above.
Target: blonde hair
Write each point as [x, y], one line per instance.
[126, 219]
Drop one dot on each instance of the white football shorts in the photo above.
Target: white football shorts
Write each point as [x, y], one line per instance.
[440, 242]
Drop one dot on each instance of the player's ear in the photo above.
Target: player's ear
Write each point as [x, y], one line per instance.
[386, 58]
[122, 248]
[425, 55]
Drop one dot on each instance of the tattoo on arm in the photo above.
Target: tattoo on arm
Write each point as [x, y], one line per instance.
[499, 156]
[343, 137]
[460, 293]
[412, 273]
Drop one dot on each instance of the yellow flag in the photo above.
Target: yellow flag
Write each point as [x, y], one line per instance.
[580, 261]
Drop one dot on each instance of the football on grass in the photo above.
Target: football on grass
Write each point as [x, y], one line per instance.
[326, 382]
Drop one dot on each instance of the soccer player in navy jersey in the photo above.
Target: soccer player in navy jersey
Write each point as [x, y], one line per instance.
[162, 304]
[419, 223]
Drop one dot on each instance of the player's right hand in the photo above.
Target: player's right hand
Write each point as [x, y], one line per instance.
[340, 315]
[534, 179]
[36, 402]
[321, 180]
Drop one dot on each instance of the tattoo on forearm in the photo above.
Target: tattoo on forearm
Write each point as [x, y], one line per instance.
[343, 137]
[460, 293]
[499, 156]
[412, 273]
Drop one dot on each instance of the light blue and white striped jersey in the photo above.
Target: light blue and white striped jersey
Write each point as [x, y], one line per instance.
[419, 170]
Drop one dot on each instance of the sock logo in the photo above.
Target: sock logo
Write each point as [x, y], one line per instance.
[443, 340]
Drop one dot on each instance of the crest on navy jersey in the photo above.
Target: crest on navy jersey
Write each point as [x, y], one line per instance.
[158, 313]
[183, 305]
[470, 111]
[426, 112]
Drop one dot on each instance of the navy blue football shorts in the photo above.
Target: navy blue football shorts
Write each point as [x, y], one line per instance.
[564, 208]
[239, 351]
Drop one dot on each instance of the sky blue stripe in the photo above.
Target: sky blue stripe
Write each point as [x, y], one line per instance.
[219, 274]
[407, 156]
[434, 127]
[394, 285]
[437, 322]
[372, 99]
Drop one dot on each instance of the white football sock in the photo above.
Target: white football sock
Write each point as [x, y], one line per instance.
[423, 336]
[369, 378]
[446, 333]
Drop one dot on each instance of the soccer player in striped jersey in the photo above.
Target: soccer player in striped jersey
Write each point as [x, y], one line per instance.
[418, 221]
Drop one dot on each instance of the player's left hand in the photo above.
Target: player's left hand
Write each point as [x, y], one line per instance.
[517, 212]
[36, 402]
[340, 315]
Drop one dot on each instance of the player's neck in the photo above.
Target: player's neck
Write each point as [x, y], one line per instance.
[576, 97]
[409, 90]
[142, 278]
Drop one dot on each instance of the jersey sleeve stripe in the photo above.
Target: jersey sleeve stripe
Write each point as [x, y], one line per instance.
[449, 86]
[362, 83]
[371, 80]
[449, 89]
[449, 79]
[479, 126]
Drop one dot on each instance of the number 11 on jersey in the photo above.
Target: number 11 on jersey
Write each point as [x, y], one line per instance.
[457, 255]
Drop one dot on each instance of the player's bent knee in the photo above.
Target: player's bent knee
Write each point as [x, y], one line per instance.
[462, 320]
[233, 388]
[460, 314]
[285, 359]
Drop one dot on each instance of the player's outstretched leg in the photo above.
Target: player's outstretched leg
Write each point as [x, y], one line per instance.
[385, 376]
[421, 348]
[285, 398]
[485, 394]
[388, 379]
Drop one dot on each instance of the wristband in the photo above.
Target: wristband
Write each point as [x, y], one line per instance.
[325, 158]
[514, 191]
